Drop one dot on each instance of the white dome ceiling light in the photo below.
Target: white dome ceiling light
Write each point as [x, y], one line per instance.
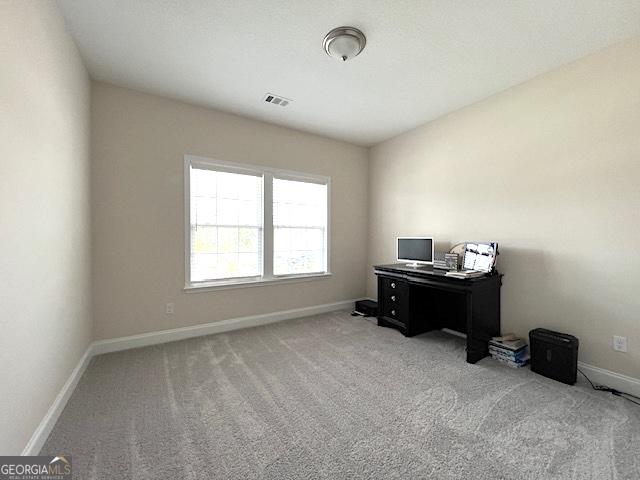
[344, 43]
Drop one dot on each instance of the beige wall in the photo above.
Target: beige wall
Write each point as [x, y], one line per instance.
[138, 145]
[551, 170]
[45, 322]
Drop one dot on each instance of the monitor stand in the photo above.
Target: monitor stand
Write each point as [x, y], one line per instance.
[412, 265]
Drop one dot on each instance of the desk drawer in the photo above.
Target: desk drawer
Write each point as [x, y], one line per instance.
[395, 312]
[392, 286]
[393, 299]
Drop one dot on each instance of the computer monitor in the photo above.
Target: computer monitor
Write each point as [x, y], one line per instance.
[415, 250]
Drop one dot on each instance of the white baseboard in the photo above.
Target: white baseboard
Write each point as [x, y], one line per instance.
[164, 336]
[600, 376]
[51, 417]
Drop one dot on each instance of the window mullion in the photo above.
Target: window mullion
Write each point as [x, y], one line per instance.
[267, 241]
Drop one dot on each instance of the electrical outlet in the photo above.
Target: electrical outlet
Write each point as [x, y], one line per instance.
[619, 343]
[170, 308]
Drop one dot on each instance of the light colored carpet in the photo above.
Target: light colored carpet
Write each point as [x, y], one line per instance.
[335, 396]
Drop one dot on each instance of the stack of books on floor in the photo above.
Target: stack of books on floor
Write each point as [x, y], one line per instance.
[510, 350]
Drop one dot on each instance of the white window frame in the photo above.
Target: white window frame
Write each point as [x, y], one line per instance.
[268, 175]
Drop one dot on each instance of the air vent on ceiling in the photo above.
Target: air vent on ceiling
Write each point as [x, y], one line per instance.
[277, 100]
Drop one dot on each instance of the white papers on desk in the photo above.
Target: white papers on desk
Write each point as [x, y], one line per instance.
[464, 274]
[483, 263]
[480, 256]
[470, 256]
[485, 249]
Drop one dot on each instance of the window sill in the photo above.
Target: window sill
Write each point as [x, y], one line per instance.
[230, 284]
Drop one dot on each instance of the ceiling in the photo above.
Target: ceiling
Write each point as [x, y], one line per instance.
[423, 58]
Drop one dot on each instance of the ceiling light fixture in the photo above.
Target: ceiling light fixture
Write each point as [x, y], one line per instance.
[344, 43]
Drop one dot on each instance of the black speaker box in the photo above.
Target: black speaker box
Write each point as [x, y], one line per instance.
[554, 355]
[367, 308]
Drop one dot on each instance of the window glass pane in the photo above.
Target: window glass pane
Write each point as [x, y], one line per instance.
[226, 225]
[228, 211]
[204, 184]
[203, 266]
[246, 261]
[203, 211]
[299, 227]
[228, 265]
[249, 213]
[204, 239]
[228, 240]
[248, 240]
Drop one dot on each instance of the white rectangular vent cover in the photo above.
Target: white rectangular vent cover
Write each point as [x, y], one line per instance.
[277, 99]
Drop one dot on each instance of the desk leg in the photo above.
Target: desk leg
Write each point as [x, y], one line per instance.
[476, 350]
[483, 321]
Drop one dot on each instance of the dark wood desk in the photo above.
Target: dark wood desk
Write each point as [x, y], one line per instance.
[418, 299]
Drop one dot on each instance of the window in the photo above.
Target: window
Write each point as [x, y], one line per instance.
[226, 225]
[299, 227]
[248, 224]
